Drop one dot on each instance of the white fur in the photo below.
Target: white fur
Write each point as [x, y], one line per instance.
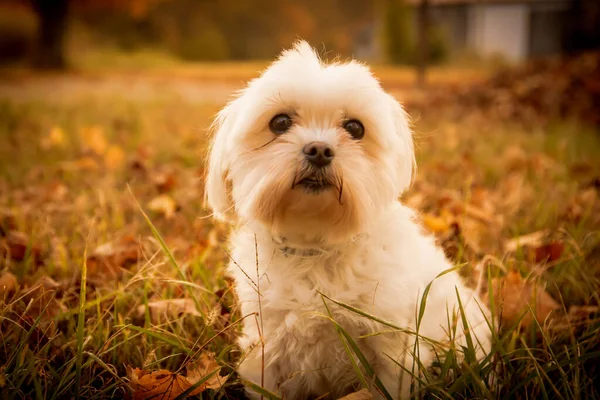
[353, 242]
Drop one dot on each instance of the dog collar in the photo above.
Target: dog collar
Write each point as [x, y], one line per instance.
[291, 251]
[295, 251]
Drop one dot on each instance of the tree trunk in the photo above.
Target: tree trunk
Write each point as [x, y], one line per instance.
[423, 51]
[50, 42]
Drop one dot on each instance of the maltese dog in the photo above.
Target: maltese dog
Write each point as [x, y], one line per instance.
[309, 161]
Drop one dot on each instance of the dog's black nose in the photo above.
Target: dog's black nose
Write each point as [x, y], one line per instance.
[319, 154]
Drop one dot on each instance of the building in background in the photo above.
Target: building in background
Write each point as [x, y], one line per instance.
[513, 29]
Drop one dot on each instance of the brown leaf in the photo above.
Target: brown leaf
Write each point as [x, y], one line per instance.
[203, 367]
[548, 252]
[164, 182]
[17, 245]
[161, 310]
[167, 385]
[8, 283]
[362, 394]
[514, 296]
[110, 259]
[7, 222]
[157, 385]
[163, 204]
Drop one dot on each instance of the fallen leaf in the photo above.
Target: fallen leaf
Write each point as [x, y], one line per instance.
[435, 224]
[164, 182]
[160, 310]
[92, 138]
[514, 296]
[8, 283]
[110, 259]
[167, 385]
[534, 239]
[18, 245]
[202, 367]
[157, 385]
[7, 222]
[163, 204]
[114, 157]
[55, 138]
[362, 394]
[548, 252]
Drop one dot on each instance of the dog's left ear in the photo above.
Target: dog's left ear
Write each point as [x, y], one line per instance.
[405, 153]
[216, 189]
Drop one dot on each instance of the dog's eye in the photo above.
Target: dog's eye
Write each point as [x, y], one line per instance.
[280, 124]
[355, 128]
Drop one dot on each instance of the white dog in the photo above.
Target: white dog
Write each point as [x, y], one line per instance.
[310, 159]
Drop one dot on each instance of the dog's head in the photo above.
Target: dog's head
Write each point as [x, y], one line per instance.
[311, 150]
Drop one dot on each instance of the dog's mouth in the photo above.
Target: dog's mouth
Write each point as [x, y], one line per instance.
[314, 183]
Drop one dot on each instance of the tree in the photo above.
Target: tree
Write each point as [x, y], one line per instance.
[50, 41]
[53, 23]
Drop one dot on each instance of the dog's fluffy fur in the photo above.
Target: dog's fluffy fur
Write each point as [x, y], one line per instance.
[352, 241]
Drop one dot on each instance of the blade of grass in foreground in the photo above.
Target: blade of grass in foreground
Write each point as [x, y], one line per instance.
[162, 338]
[262, 391]
[196, 385]
[359, 373]
[81, 324]
[349, 342]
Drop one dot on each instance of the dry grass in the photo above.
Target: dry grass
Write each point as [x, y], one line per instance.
[78, 151]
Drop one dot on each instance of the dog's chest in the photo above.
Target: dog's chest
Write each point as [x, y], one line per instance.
[296, 301]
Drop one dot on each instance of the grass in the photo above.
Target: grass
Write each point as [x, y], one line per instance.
[77, 190]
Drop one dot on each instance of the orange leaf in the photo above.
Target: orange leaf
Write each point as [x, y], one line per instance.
[8, 283]
[202, 367]
[114, 157]
[167, 385]
[435, 224]
[514, 297]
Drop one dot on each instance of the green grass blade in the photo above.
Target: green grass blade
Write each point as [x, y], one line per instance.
[262, 391]
[81, 325]
[162, 338]
[359, 354]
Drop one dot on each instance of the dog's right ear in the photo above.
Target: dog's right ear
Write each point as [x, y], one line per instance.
[216, 194]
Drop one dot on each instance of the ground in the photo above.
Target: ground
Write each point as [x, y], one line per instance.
[109, 262]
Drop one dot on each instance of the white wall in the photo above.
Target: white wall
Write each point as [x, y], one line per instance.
[500, 29]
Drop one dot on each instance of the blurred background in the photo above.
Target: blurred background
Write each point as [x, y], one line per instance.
[80, 33]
